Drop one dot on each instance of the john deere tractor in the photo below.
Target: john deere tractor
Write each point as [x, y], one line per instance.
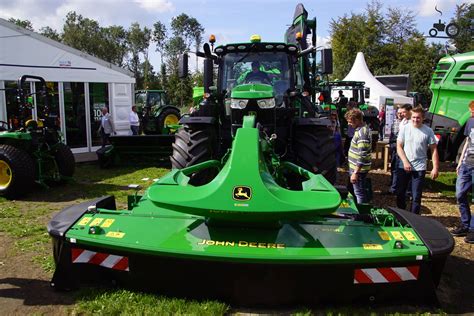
[156, 115]
[281, 99]
[32, 150]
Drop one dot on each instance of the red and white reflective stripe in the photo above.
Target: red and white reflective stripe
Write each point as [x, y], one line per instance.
[98, 258]
[386, 275]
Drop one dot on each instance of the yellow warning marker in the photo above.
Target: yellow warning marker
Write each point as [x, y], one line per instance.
[115, 234]
[107, 223]
[372, 247]
[397, 235]
[84, 221]
[96, 222]
[409, 236]
[384, 235]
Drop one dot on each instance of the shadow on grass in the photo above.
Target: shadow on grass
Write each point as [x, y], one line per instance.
[33, 292]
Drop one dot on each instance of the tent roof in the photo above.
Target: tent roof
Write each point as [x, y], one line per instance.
[29, 52]
[360, 72]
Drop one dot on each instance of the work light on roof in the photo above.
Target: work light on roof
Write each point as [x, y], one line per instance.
[255, 38]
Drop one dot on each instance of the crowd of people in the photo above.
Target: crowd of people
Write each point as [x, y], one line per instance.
[410, 142]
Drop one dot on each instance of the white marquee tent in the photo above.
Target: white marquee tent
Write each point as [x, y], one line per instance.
[23, 52]
[378, 92]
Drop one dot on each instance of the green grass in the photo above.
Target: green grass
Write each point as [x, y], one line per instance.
[123, 302]
[445, 184]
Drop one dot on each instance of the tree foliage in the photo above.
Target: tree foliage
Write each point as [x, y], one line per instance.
[464, 42]
[390, 42]
[26, 24]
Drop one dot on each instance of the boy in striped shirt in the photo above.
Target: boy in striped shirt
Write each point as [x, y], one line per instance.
[360, 158]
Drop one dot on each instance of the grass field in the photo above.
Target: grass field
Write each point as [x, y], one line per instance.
[22, 226]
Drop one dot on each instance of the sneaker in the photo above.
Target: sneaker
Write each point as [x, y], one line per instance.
[469, 238]
[459, 231]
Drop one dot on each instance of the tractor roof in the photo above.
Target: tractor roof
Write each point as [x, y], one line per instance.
[257, 47]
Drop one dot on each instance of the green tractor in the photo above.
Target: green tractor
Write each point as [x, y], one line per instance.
[282, 99]
[453, 89]
[158, 123]
[32, 151]
[156, 115]
[256, 226]
[358, 93]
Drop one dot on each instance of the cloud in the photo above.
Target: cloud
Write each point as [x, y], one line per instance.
[52, 13]
[427, 7]
[159, 6]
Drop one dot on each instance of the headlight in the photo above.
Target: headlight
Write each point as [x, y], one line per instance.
[266, 103]
[238, 104]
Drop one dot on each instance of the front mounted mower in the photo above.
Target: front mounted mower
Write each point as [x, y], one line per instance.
[255, 226]
[32, 151]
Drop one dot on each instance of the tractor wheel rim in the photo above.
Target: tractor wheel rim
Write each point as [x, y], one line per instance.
[171, 119]
[5, 174]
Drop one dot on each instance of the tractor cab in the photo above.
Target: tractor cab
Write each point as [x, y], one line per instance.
[256, 79]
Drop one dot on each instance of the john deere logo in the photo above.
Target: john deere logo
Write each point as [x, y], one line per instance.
[242, 193]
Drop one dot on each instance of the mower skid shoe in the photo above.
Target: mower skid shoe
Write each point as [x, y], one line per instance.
[435, 236]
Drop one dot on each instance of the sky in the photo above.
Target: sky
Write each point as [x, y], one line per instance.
[229, 21]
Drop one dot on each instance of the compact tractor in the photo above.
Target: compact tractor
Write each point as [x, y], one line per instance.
[248, 214]
[32, 150]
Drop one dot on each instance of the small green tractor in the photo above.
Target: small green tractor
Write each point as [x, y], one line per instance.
[32, 150]
[156, 115]
[453, 89]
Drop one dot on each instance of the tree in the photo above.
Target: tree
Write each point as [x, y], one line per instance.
[50, 33]
[138, 42]
[159, 36]
[26, 24]
[189, 29]
[464, 42]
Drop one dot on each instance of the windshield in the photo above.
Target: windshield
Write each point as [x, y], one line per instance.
[270, 68]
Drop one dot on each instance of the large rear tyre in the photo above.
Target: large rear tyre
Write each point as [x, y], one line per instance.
[17, 171]
[168, 116]
[315, 151]
[194, 144]
[65, 160]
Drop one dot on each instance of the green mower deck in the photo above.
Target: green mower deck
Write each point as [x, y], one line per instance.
[246, 239]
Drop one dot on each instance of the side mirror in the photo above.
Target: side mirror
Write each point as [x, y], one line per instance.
[183, 68]
[208, 74]
[326, 61]
[367, 93]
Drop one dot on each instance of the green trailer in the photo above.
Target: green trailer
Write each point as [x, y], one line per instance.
[453, 89]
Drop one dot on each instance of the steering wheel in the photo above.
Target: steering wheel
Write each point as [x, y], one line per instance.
[4, 126]
[258, 80]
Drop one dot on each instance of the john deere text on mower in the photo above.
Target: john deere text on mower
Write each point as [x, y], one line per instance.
[32, 151]
[244, 216]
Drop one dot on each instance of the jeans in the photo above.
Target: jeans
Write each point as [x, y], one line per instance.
[463, 186]
[393, 168]
[359, 187]
[417, 179]
[134, 129]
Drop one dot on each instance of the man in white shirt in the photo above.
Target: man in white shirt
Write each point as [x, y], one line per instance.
[134, 121]
[106, 126]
